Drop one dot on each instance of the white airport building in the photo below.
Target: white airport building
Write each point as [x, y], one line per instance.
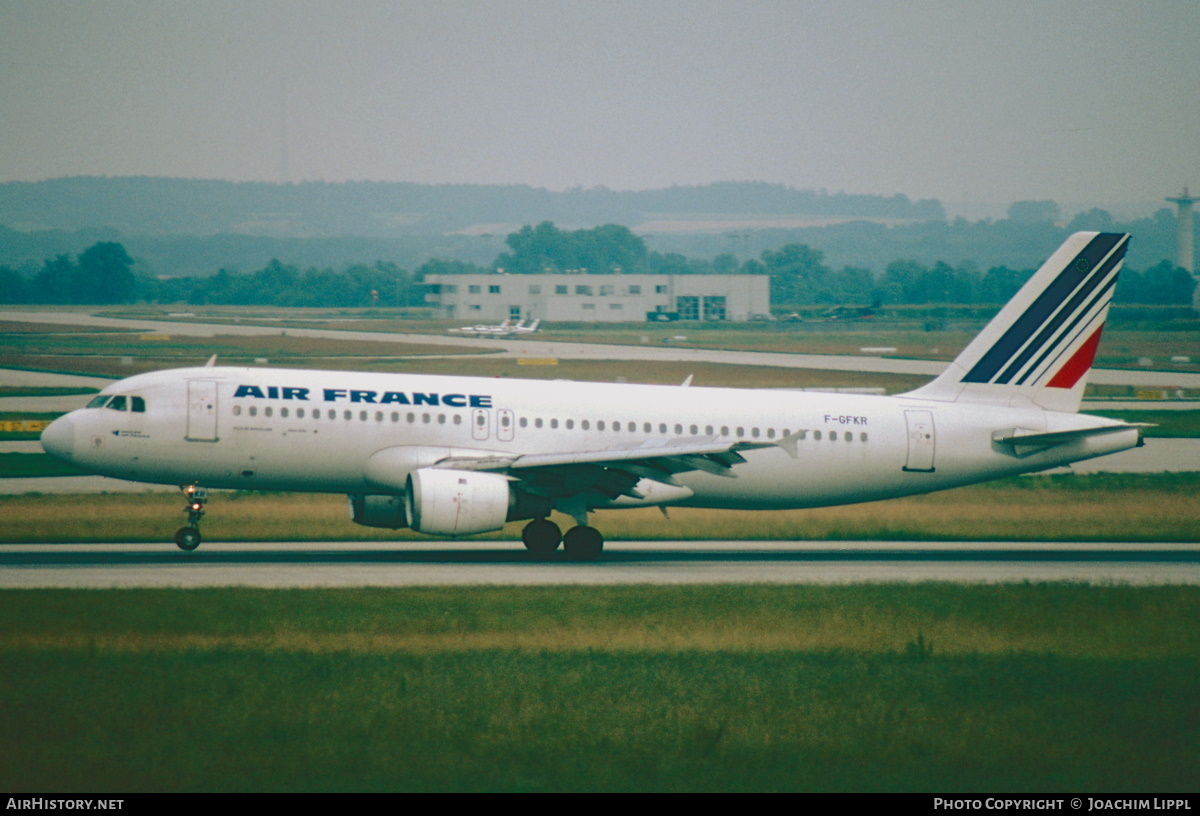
[597, 298]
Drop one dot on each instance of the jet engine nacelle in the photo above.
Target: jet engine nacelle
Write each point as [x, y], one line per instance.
[388, 512]
[457, 502]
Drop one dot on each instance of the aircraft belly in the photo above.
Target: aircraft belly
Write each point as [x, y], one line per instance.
[301, 461]
[260, 459]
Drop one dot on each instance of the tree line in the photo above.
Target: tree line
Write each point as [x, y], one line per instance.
[800, 276]
[102, 274]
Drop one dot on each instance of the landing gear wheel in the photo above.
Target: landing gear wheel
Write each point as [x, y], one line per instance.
[187, 539]
[583, 543]
[541, 536]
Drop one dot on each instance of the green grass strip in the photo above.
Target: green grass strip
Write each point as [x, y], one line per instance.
[30, 465]
[1167, 424]
[1144, 507]
[39, 391]
[1024, 688]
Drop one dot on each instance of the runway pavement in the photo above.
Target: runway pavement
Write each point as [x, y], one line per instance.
[389, 563]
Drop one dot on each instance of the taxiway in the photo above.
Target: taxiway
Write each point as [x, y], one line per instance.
[435, 563]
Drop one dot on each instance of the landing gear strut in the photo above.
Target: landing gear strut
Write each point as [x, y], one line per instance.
[188, 538]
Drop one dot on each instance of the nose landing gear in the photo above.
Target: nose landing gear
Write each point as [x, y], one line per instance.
[188, 538]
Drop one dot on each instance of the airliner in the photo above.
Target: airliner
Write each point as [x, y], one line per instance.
[456, 456]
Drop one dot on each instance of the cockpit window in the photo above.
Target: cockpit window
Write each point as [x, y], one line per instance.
[119, 403]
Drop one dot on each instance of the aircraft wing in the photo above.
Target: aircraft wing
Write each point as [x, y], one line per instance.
[613, 471]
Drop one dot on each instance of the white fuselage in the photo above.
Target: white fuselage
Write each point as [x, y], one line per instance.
[361, 433]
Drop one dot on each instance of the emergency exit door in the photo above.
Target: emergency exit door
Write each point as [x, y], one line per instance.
[921, 441]
[481, 424]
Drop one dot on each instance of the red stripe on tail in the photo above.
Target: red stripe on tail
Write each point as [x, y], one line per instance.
[1079, 363]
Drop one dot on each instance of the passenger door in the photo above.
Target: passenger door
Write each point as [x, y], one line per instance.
[202, 411]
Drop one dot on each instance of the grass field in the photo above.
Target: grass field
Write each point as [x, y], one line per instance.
[33, 465]
[111, 353]
[64, 348]
[1166, 424]
[1029, 688]
[1098, 507]
[1155, 333]
[30, 391]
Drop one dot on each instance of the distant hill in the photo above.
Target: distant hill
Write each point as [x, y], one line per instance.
[179, 227]
[145, 206]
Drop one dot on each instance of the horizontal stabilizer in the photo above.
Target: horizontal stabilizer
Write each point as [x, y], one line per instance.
[1025, 442]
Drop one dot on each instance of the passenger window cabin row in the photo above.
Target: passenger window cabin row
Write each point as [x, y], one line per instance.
[539, 423]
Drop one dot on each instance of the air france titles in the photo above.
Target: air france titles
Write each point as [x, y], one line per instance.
[365, 397]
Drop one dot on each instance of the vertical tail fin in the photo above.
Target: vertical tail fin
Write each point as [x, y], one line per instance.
[1041, 345]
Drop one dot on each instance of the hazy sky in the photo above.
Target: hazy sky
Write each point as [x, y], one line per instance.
[1072, 100]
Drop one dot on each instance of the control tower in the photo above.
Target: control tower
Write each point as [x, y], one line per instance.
[1186, 259]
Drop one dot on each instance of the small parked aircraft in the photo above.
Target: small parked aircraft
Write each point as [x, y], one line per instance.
[506, 329]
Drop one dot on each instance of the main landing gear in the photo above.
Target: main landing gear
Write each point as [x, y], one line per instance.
[582, 543]
[188, 538]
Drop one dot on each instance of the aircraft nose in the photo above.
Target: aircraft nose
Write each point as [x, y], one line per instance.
[58, 439]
